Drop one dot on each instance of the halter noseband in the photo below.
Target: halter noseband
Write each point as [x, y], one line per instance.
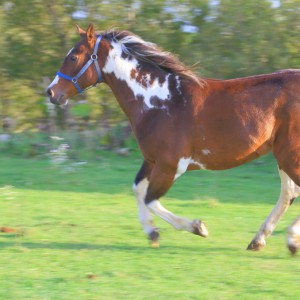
[93, 59]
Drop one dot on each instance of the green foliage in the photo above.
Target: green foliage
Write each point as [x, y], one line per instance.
[82, 144]
[229, 39]
[81, 110]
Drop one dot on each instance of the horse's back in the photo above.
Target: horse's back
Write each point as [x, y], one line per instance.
[238, 118]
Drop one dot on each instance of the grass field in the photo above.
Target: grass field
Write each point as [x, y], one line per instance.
[77, 234]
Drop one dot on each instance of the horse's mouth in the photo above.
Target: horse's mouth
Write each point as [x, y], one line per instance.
[60, 100]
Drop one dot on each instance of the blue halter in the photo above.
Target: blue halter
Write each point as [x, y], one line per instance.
[93, 59]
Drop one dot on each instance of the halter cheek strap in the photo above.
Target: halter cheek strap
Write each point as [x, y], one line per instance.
[93, 59]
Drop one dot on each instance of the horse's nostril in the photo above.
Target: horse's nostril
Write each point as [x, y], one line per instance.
[50, 93]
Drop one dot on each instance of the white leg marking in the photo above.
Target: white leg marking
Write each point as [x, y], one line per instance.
[178, 222]
[144, 214]
[293, 237]
[289, 190]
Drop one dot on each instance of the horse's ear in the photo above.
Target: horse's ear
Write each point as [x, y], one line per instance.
[90, 33]
[80, 31]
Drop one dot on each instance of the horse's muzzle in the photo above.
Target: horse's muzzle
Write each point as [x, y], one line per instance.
[56, 99]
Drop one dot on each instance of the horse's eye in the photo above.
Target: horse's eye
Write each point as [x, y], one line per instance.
[73, 58]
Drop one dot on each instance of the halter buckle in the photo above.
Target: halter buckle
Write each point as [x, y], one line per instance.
[94, 56]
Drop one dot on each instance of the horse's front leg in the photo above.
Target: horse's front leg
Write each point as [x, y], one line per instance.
[140, 188]
[154, 185]
[289, 191]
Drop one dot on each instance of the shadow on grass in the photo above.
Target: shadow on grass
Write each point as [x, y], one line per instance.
[172, 249]
[12, 243]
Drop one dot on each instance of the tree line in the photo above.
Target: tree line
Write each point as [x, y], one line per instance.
[226, 39]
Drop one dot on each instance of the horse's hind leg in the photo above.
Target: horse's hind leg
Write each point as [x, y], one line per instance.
[286, 149]
[289, 191]
[293, 237]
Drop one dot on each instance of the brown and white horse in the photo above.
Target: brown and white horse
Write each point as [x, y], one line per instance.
[183, 122]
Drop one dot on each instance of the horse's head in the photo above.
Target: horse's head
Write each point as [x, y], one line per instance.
[80, 68]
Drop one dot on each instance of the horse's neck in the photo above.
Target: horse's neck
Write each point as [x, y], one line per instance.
[135, 86]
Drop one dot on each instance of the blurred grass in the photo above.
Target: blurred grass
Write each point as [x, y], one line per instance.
[78, 236]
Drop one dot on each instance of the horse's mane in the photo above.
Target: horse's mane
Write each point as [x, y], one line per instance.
[141, 50]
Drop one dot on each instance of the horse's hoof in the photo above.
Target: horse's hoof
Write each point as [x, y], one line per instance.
[293, 239]
[199, 228]
[256, 246]
[293, 244]
[154, 238]
[293, 249]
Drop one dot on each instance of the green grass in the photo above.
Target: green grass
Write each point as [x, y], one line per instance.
[79, 238]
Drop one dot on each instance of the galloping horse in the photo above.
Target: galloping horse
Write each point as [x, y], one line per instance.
[183, 122]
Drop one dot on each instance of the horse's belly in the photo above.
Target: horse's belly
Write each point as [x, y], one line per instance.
[218, 158]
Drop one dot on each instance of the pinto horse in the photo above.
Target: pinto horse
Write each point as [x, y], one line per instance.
[183, 122]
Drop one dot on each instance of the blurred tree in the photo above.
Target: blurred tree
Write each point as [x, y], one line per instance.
[228, 38]
[31, 47]
[241, 38]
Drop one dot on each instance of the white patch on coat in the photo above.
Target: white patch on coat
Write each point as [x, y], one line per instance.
[122, 68]
[184, 163]
[197, 163]
[206, 152]
[54, 82]
[182, 166]
[69, 51]
[178, 84]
